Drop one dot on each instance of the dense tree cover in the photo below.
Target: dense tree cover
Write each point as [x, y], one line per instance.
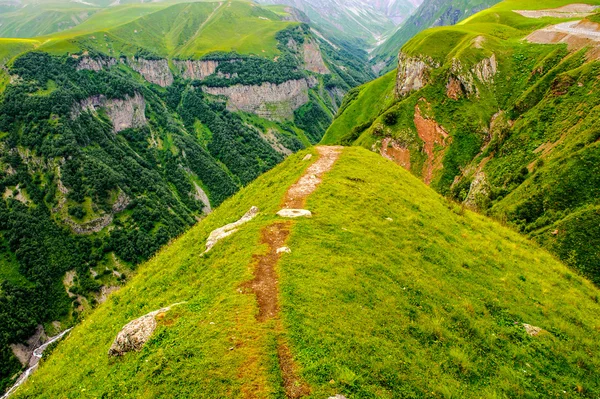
[313, 119]
[58, 160]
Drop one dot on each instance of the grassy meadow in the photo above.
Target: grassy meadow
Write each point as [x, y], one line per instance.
[390, 291]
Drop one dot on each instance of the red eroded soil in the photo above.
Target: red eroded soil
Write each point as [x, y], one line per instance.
[297, 193]
[393, 151]
[432, 134]
[265, 285]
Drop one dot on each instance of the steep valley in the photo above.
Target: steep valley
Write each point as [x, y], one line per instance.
[117, 141]
[222, 199]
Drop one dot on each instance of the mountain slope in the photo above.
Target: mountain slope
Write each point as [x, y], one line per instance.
[117, 140]
[430, 13]
[494, 115]
[400, 294]
[361, 23]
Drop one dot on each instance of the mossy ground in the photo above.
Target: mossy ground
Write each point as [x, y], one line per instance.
[390, 291]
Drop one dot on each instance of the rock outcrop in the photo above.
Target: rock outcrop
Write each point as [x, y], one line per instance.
[479, 192]
[462, 81]
[124, 114]
[154, 71]
[95, 64]
[413, 73]
[533, 331]
[313, 59]
[201, 196]
[268, 100]
[196, 69]
[294, 213]
[486, 69]
[136, 333]
[227, 230]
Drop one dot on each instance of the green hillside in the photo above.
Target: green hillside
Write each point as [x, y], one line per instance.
[389, 291]
[115, 140]
[431, 13]
[519, 118]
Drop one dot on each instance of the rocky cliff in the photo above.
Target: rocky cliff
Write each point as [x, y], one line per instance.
[268, 100]
[313, 59]
[413, 73]
[124, 114]
[196, 69]
[154, 71]
[95, 64]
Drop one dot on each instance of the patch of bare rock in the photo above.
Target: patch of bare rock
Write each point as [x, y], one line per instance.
[569, 11]
[136, 333]
[575, 34]
[294, 213]
[227, 230]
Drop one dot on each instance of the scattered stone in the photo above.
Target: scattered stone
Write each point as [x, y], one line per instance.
[337, 397]
[284, 250]
[227, 230]
[389, 219]
[136, 333]
[294, 213]
[532, 330]
[307, 157]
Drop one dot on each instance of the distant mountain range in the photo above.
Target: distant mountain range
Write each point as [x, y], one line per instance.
[362, 22]
[431, 13]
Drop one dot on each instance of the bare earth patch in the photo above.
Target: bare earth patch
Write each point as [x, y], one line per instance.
[569, 11]
[297, 194]
[393, 151]
[432, 135]
[576, 34]
[265, 285]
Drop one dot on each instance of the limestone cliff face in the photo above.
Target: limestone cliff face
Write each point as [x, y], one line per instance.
[479, 192]
[196, 70]
[413, 73]
[95, 64]
[154, 71]
[268, 100]
[124, 114]
[313, 59]
[462, 80]
[486, 69]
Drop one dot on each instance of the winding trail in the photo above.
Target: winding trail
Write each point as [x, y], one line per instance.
[33, 362]
[265, 285]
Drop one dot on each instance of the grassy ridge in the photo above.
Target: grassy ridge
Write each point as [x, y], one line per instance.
[400, 295]
[538, 175]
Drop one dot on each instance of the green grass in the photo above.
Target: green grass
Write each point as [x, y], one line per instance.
[531, 188]
[186, 30]
[10, 48]
[390, 291]
[362, 105]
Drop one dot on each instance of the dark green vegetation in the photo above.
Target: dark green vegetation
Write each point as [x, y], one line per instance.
[100, 167]
[429, 14]
[401, 294]
[524, 140]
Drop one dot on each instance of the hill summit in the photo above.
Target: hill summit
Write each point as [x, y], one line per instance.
[381, 288]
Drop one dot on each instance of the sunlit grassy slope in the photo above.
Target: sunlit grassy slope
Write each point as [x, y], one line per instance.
[361, 106]
[389, 292]
[187, 30]
[541, 156]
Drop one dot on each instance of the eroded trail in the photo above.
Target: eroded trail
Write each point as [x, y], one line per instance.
[265, 285]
